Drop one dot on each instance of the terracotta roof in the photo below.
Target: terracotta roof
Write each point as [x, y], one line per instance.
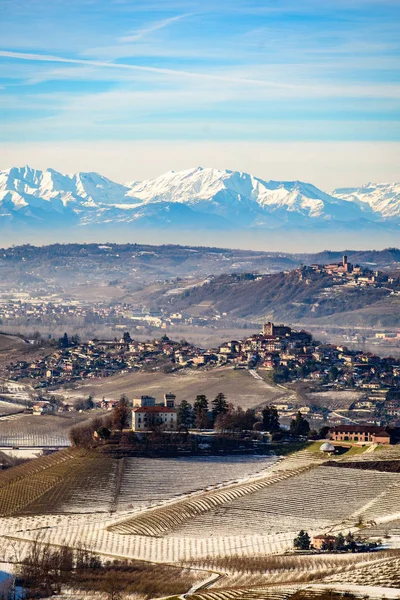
[359, 429]
[154, 409]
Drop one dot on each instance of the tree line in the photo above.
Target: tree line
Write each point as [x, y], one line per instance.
[220, 415]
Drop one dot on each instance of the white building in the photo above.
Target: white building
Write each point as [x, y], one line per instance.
[146, 415]
[149, 417]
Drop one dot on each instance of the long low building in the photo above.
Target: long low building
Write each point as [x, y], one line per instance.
[359, 433]
[149, 417]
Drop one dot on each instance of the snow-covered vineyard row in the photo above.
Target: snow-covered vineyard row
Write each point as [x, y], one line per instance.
[288, 591]
[383, 572]
[33, 439]
[162, 520]
[72, 532]
[8, 408]
[307, 500]
[294, 569]
[162, 479]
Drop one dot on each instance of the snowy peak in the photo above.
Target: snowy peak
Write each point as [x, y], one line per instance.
[214, 189]
[206, 197]
[381, 198]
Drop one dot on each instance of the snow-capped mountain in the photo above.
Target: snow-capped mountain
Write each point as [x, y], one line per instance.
[196, 198]
[382, 198]
[244, 199]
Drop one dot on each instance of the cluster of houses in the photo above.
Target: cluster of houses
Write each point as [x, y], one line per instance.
[360, 276]
[54, 311]
[287, 353]
[22, 309]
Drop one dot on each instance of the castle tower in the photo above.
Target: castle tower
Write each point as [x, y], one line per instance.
[268, 328]
[169, 400]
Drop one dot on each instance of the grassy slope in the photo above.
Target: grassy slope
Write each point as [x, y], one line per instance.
[239, 386]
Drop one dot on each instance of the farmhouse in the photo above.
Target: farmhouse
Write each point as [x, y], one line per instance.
[147, 415]
[359, 433]
[323, 541]
[43, 408]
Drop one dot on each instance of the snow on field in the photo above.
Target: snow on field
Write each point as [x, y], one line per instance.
[306, 501]
[277, 500]
[147, 481]
[34, 438]
[93, 533]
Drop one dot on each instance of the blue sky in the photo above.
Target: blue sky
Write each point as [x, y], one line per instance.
[220, 73]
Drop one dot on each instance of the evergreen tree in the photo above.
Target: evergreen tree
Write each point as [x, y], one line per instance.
[63, 342]
[339, 542]
[127, 337]
[299, 426]
[185, 414]
[302, 541]
[200, 408]
[219, 405]
[333, 373]
[270, 419]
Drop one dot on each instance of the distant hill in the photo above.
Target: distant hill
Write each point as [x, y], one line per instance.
[204, 281]
[291, 297]
[368, 258]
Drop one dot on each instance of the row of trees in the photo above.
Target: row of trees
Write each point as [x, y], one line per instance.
[45, 569]
[334, 543]
[201, 415]
[223, 416]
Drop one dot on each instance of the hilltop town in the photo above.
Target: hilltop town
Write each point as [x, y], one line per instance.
[284, 356]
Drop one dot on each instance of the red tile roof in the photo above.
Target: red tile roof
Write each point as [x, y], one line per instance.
[154, 409]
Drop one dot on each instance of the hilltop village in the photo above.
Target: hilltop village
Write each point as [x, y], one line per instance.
[284, 355]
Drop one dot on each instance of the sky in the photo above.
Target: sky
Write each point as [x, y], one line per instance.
[290, 89]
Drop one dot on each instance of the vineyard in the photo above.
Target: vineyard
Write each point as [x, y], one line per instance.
[242, 572]
[38, 431]
[305, 500]
[233, 516]
[145, 481]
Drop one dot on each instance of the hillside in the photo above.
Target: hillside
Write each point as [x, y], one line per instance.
[290, 297]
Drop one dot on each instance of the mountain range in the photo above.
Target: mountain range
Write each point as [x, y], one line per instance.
[207, 199]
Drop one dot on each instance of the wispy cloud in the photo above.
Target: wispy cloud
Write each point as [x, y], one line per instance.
[140, 68]
[233, 69]
[145, 31]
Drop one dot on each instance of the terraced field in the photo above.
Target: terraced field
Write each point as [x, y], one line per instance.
[218, 509]
[311, 500]
[162, 520]
[147, 481]
[22, 485]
